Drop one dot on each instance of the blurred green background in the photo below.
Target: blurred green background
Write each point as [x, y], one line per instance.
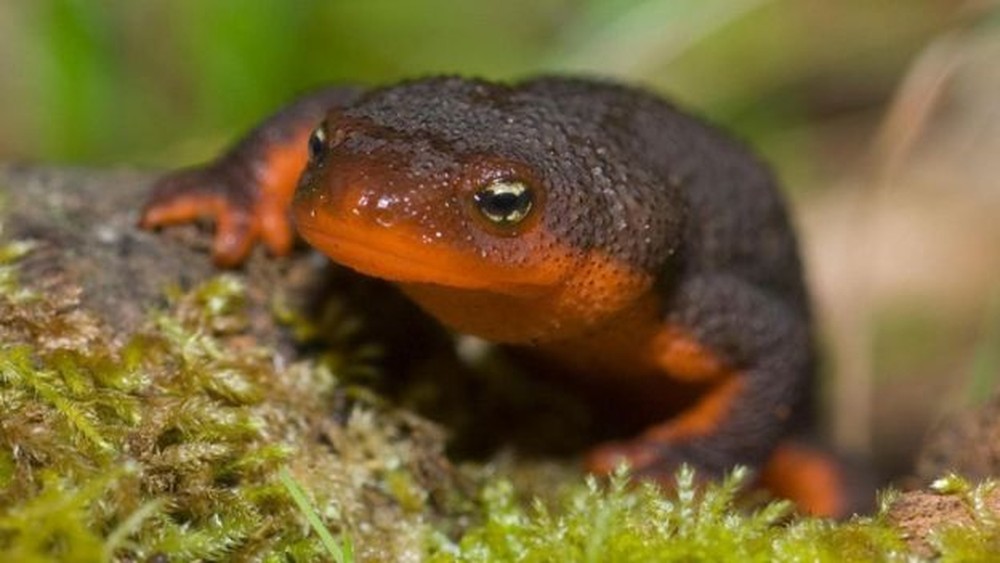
[156, 82]
[895, 197]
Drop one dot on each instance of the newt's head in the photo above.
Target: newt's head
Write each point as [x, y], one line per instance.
[503, 213]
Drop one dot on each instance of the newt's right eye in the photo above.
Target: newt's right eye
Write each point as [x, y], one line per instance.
[317, 144]
[504, 203]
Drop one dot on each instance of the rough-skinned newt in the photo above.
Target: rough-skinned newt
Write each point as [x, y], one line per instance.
[595, 225]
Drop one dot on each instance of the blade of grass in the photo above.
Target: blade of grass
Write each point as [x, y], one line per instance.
[339, 554]
[986, 361]
[129, 526]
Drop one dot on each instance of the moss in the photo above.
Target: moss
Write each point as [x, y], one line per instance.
[169, 441]
[617, 522]
[10, 253]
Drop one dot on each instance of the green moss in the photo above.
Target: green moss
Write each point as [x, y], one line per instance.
[617, 522]
[10, 253]
[170, 440]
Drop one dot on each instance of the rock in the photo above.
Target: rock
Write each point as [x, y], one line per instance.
[966, 443]
[89, 251]
[919, 515]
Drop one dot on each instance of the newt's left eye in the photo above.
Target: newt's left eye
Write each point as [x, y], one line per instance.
[504, 203]
[317, 144]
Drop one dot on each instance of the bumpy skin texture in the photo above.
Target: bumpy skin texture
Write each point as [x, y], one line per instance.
[657, 261]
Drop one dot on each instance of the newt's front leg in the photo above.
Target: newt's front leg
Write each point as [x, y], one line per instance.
[248, 189]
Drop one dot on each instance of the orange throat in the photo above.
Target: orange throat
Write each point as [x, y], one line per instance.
[558, 293]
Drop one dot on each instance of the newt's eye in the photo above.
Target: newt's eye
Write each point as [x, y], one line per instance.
[504, 203]
[317, 144]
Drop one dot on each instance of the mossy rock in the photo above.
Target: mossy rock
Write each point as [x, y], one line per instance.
[150, 402]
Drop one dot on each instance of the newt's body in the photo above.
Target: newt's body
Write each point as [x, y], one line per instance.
[614, 236]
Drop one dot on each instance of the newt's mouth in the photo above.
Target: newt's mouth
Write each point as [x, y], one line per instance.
[396, 257]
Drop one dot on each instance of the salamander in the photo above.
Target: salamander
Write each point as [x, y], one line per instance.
[592, 225]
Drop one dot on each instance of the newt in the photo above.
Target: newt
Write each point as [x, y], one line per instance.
[593, 225]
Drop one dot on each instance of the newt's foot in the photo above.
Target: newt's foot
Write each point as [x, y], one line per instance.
[242, 211]
[819, 482]
[813, 478]
[647, 461]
